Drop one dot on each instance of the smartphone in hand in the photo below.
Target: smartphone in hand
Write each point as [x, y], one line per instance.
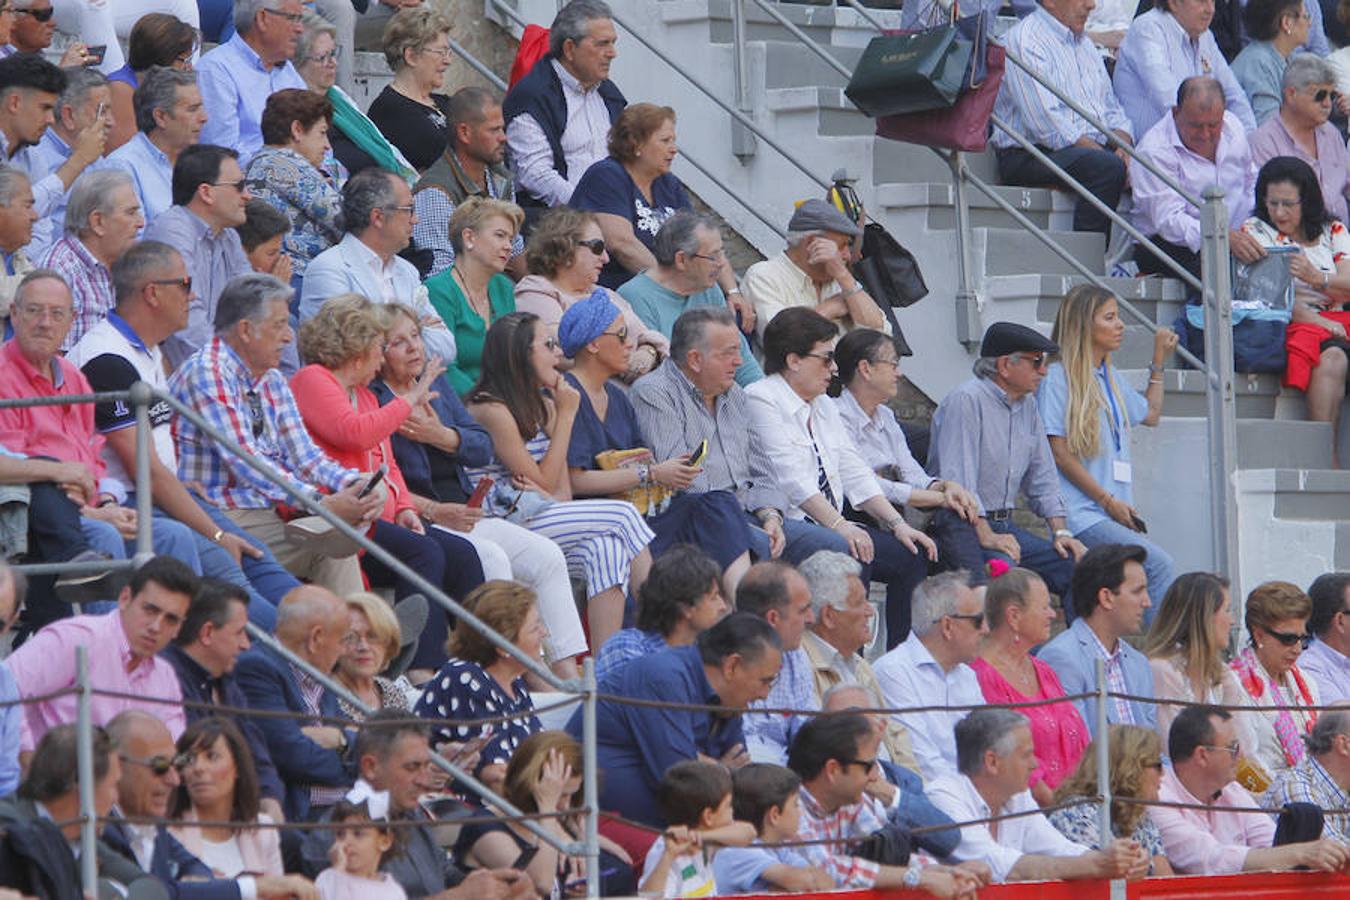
[373, 482]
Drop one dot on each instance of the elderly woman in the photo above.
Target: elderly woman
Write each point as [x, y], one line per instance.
[1267, 669]
[480, 681]
[344, 346]
[288, 173]
[371, 643]
[593, 334]
[409, 111]
[218, 784]
[565, 254]
[818, 467]
[1017, 608]
[1301, 130]
[1277, 28]
[157, 39]
[1135, 756]
[473, 293]
[528, 411]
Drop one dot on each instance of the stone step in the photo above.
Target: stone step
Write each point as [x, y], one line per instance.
[901, 162]
[1013, 251]
[1047, 208]
[836, 25]
[1320, 495]
[826, 109]
[1257, 396]
[792, 64]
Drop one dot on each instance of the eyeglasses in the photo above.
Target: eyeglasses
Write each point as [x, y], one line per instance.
[39, 15]
[621, 334]
[867, 764]
[442, 52]
[893, 363]
[294, 18]
[595, 245]
[255, 414]
[355, 640]
[160, 765]
[827, 357]
[1289, 639]
[1272, 203]
[1233, 748]
[407, 209]
[976, 619]
[323, 59]
[241, 185]
[1036, 359]
[185, 282]
[1324, 94]
[55, 313]
[711, 257]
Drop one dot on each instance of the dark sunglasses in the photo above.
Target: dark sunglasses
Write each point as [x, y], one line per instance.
[185, 282]
[1289, 639]
[160, 765]
[239, 185]
[40, 15]
[255, 414]
[595, 245]
[1036, 359]
[1322, 95]
[976, 619]
[867, 764]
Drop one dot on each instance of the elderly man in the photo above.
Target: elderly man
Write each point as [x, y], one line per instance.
[209, 201]
[813, 272]
[312, 759]
[1323, 777]
[238, 76]
[932, 667]
[235, 373]
[18, 215]
[1199, 145]
[1300, 129]
[558, 115]
[994, 759]
[1327, 658]
[988, 436]
[377, 213]
[690, 266]
[102, 220]
[122, 647]
[169, 119]
[1110, 592]
[1051, 40]
[1221, 839]
[777, 593]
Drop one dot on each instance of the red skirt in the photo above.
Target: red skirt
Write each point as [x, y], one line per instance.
[1303, 341]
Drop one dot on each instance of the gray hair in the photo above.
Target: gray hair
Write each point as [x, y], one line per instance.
[142, 261]
[690, 331]
[366, 191]
[845, 687]
[985, 367]
[797, 238]
[1331, 723]
[80, 80]
[245, 11]
[315, 25]
[573, 23]
[1305, 69]
[246, 297]
[936, 597]
[93, 192]
[679, 234]
[11, 177]
[984, 730]
[827, 573]
[158, 90]
[40, 275]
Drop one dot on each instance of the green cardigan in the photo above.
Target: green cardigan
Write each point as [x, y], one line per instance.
[468, 327]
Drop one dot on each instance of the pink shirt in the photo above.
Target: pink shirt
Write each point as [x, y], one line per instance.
[61, 432]
[1332, 163]
[1213, 841]
[334, 884]
[1058, 732]
[46, 663]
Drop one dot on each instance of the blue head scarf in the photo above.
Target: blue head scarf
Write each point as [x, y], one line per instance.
[585, 321]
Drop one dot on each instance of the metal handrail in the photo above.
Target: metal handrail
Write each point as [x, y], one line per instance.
[811, 43]
[707, 173]
[477, 65]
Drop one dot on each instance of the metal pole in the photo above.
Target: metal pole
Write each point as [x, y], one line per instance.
[141, 397]
[742, 141]
[84, 765]
[1103, 757]
[968, 329]
[477, 65]
[590, 778]
[809, 42]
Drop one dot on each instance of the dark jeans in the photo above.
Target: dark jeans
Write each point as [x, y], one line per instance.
[54, 535]
[901, 571]
[1099, 170]
[1150, 264]
[959, 548]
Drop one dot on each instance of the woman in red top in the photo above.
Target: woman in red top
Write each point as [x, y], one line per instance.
[343, 345]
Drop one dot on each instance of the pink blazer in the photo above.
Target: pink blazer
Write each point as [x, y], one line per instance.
[260, 847]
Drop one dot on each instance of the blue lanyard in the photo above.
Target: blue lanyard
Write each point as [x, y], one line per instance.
[1116, 422]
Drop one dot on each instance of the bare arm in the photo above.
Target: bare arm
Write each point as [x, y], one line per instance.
[623, 245]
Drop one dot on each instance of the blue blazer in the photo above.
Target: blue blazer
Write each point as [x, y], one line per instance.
[184, 875]
[1073, 654]
[269, 684]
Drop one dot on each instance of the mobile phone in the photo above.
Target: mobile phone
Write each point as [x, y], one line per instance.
[373, 482]
[1138, 524]
[94, 55]
[480, 492]
[696, 458]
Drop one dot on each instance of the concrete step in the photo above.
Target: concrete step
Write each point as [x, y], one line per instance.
[837, 25]
[796, 65]
[901, 163]
[1256, 396]
[824, 109]
[1047, 208]
[1319, 495]
[1013, 251]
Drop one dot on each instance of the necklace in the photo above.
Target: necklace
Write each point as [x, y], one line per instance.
[480, 304]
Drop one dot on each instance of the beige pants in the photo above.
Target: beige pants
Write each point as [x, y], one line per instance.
[341, 575]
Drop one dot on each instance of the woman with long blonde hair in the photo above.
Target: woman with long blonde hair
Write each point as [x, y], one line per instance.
[1089, 410]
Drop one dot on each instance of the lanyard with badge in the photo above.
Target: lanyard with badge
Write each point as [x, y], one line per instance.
[1120, 468]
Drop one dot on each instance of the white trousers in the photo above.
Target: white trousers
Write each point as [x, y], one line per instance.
[95, 22]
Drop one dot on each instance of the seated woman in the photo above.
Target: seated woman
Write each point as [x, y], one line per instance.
[1277, 28]
[1267, 669]
[473, 292]
[372, 642]
[594, 336]
[1088, 410]
[344, 346]
[433, 446]
[480, 681]
[264, 228]
[1135, 756]
[218, 784]
[1302, 129]
[528, 410]
[1290, 212]
[818, 468]
[157, 39]
[288, 173]
[564, 255]
[410, 111]
[1017, 608]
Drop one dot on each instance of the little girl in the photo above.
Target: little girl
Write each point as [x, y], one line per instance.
[362, 842]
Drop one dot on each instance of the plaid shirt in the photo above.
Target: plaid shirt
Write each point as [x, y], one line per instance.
[215, 382]
[626, 645]
[90, 284]
[1309, 782]
[311, 691]
[767, 735]
[1115, 680]
[856, 820]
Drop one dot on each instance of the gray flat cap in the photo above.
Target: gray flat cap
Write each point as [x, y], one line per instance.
[817, 215]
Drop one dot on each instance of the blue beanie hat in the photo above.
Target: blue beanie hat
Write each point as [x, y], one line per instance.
[585, 321]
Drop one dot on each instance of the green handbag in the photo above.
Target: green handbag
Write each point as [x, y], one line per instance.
[915, 72]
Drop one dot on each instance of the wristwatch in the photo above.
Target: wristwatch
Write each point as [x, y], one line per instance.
[912, 875]
[1063, 533]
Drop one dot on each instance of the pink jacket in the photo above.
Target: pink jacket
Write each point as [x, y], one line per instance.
[260, 847]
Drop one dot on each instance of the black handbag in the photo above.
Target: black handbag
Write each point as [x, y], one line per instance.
[920, 70]
[888, 271]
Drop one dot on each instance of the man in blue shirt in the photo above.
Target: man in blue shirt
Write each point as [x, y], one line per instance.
[732, 664]
[169, 116]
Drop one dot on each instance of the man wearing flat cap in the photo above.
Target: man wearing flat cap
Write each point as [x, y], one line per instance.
[813, 272]
[988, 435]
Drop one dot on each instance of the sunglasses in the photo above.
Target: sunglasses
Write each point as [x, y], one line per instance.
[40, 15]
[185, 282]
[255, 414]
[1036, 359]
[827, 357]
[160, 765]
[976, 619]
[239, 185]
[595, 245]
[621, 334]
[1322, 95]
[1289, 639]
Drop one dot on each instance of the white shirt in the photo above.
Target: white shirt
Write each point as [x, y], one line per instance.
[882, 445]
[383, 269]
[955, 795]
[585, 140]
[910, 676]
[776, 283]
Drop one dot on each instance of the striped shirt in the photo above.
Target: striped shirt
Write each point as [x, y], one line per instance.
[1115, 679]
[856, 820]
[625, 646]
[767, 735]
[311, 692]
[1309, 782]
[90, 284]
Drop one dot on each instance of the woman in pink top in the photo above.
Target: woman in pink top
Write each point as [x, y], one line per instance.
[1017, 607]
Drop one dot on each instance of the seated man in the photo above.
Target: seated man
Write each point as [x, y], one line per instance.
[777, 593]
[122, 652]
[1219, 840]
[1051, 40]
[1110, 590]
[169, 116]
[731, 664]
[932, 667]
[1199, 144]
[1308, 95]
[313, 760]
[813, 272]
[1327, 658]
[690, 263]
[377, 214]
[1323, 777]
[558, 115]
[12, 590]
[995, 759]
[17, 217]
[236, 372]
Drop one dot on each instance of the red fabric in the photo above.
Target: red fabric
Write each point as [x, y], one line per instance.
[635, 841]
[533, 47]
[61, 432]
[965, 126]
[1303, 341]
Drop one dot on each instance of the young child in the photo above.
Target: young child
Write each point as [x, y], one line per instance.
[363, 841]
[695, 798]
[768, 797]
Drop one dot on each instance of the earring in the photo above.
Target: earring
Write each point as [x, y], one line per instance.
[1017, 639]
[468, 246]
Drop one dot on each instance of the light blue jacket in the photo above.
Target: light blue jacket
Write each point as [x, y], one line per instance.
[1073, 655]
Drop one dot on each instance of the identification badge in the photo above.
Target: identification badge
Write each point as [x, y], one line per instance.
[1120, 470]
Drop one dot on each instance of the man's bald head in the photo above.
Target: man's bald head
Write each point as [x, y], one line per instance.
[1199, 115]
[311, 622]
[145, 745]
[846, 697]
[1201, 91]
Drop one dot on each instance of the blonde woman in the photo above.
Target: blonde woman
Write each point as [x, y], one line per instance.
[1089, 410]
[372, 640]
[411, 110]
